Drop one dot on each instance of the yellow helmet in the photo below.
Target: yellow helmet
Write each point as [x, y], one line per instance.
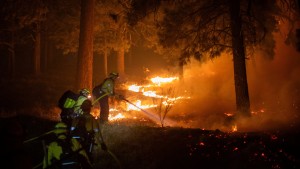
[114, 74]
[60, 128]
[85, 92]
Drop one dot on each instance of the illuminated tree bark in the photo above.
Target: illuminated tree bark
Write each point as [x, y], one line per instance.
[85, 51]
[105, 63]
[238, 50]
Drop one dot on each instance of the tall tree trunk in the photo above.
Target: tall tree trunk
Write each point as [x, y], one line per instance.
[105, 63]
[298, 29]
[37, 50]
[121, 61]
[85, 51]
[240, 75]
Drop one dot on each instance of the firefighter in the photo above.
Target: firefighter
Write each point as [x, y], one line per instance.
[65, 152]
[84, 94]
[102, 92]
[86, 129]
[70, 103]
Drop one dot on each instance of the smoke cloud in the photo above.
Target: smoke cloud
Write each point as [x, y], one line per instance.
[273, 89]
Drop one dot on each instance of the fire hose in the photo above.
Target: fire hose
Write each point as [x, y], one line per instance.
[38, 137]
[44, 149]
[95, 101]
[148, 113]
[108, 151]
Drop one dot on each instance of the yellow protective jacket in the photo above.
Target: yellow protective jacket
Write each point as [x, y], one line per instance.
[54, 152]
[77, 108]
[108, 86]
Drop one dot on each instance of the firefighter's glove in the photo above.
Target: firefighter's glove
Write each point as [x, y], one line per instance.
[103, 147]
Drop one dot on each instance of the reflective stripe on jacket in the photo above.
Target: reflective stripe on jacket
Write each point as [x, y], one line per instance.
[108, 86]
[55, 151]
[77, 108]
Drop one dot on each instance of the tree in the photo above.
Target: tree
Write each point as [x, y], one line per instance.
[85, 51]
[17, 17]
[117, 24]
[145, 17]
[39, 13]
[238, 52]
[110, 31]
[206, 29]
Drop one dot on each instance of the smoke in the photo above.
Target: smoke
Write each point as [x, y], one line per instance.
[211, 88]
[273, 88]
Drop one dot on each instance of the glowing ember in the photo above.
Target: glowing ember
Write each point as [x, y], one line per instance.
[229, 114]
[257, 112]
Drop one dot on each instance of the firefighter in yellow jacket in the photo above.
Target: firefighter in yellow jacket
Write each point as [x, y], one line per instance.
[65, 152]
[84, 94]
[102, 92]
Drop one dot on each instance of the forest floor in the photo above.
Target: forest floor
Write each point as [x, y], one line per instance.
[133, 145]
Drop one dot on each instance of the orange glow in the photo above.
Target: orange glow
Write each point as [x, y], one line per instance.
[229, 114]
[257, 112]
[234, 128]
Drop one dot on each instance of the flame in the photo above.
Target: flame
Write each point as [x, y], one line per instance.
[159, 80]
[134, 88]
[234, 128]
[151, 94]
[116, 117]
[138, 103]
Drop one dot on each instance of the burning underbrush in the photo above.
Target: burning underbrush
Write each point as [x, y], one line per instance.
[161, 101]
[149, 101]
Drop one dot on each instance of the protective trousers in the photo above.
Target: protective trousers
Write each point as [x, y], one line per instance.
[104, 109]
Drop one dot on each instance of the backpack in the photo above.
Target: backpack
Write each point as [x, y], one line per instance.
[67, 100]
[96, 91]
